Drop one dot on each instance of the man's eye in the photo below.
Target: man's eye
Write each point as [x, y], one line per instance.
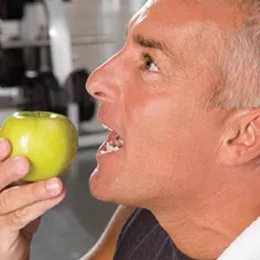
[149, 63]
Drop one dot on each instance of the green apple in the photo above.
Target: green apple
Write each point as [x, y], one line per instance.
[48, 140]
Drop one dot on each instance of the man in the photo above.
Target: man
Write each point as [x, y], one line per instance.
[181, 100]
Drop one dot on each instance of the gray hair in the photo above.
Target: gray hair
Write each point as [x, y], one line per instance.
[238, 86]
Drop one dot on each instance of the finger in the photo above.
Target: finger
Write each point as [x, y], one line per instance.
[13, 169]
[5, 149]
[22, 196]
[17, 220]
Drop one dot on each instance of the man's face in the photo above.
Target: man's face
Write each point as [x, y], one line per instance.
[152, 95]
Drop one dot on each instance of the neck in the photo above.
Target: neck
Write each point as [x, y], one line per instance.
[204, 229]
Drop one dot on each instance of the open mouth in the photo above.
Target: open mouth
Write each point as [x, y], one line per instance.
[114, 142]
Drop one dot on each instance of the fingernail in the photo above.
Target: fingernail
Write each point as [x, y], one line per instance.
[53, 187]
[21, 166]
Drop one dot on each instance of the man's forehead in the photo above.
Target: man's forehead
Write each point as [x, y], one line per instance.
[168, 13]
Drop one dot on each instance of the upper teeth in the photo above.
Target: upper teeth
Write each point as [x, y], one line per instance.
[106, 127]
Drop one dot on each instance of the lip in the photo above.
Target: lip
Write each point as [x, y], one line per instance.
[106, 120]
[101, 149]
[112, 135]
[112, 129]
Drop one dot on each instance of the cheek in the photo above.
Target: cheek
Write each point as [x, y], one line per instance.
[154, 133]
[155, 120]
[163, 136]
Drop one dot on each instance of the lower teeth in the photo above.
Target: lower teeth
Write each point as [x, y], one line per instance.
[110, 147]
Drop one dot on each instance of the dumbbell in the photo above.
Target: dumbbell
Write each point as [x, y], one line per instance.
[41, 91]
[56, 95]
[76, 92]
[35, 94]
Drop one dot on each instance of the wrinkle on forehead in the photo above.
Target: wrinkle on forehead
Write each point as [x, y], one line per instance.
[224, 12]
[178, 22]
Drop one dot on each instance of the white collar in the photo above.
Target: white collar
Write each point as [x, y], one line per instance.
[246, 246]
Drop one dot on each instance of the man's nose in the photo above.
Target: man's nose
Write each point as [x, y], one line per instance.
[102, 83]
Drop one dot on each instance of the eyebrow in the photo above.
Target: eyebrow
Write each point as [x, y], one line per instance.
[151, 43]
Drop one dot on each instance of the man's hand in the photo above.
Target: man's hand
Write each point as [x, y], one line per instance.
[22, 206]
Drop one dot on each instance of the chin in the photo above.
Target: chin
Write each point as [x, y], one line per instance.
[106, 191]
[101, 188]
[115, 186]
[97, 189]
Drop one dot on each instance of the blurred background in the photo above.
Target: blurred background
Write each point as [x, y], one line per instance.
[48, 48]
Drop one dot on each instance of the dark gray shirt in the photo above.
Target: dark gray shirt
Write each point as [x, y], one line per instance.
[142, 238]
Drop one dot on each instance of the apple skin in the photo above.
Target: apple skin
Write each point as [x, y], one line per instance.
[48, 140]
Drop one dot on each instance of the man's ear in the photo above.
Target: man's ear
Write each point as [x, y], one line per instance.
[241, 139]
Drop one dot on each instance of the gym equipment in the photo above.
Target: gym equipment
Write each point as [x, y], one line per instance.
[11, 67]
[35, 95]
[57, 96]
[41, 91]
[60, 43]
[75, 87]
[12, 9]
